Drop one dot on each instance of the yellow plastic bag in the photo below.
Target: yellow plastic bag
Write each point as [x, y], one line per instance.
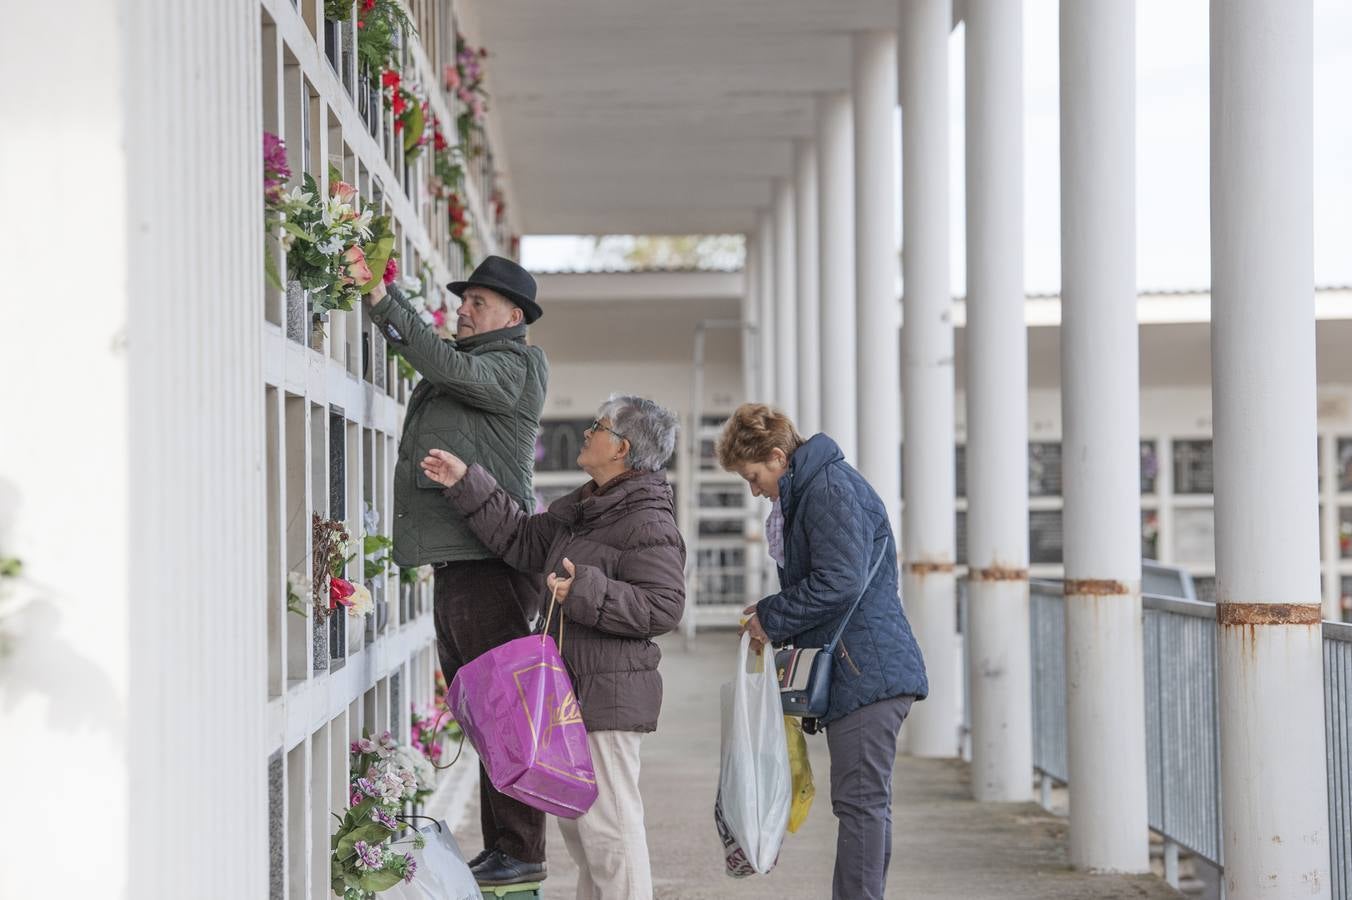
[801, 769]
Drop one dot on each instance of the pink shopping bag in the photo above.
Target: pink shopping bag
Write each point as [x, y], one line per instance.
[518, 710]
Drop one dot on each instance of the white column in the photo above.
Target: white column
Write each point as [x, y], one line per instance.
[765, 247]
[835, 263]
[809, 336]
[138, 705]
[1273, 787]
[879, 314]
[751, 321]
[786, 299]
[1100, 411]
[998, 664]
[927, 370]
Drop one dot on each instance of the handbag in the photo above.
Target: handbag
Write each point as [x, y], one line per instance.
[516, 705]
[805, 672]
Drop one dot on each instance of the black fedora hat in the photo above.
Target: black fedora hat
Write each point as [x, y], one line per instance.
[508, 279]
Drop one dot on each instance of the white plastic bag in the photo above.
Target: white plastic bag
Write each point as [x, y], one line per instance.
[442, 872]
[755, 786]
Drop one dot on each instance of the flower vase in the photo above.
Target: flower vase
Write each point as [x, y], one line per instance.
[317, 322]
[338, 628]
[349, 40]
[295, 312]
[321, 643]
[373, 100]
[331, 38]
[356, 630]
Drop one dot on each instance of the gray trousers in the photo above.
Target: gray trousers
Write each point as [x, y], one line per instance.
[863, 749]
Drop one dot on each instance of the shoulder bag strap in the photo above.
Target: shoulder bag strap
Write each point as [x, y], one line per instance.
[840, 629]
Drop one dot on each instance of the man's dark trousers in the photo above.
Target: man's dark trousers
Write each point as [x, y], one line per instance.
[481, 604]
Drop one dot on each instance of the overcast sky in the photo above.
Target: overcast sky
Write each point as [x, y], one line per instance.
[1172, 152]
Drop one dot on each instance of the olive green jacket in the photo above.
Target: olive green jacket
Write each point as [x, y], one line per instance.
[480, 398]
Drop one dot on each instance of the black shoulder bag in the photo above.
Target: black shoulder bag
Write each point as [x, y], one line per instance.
[805, 672]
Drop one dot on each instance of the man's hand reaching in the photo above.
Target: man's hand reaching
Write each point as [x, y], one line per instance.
[376, 295]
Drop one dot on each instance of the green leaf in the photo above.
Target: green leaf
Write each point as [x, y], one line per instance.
[379, 881]
[270, 264]
[371, 832]
[378, 253]
[299, 232]
[413, 127]
[373, 543]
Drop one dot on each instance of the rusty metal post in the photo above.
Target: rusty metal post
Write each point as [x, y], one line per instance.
[875, 234]
[808, 355]
[999, 667]
[835, 232]
[927, 372]
[786, 299]
[1274, 800]
[1100, 409]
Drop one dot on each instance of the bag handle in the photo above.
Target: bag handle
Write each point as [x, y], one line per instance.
[549, 615]
[840, 629]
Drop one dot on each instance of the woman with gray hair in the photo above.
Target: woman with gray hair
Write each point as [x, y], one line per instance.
[616, 564]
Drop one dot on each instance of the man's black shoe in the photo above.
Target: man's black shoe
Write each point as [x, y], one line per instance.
[480, 858]
[500, 869]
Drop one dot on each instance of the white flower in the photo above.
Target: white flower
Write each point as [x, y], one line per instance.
[410, 285]
[363, 224]
[362, 603]
[331, 247]
[418, 765]
[298, 584]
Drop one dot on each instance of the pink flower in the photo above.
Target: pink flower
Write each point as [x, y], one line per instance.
[465, 94]
[478, 107]
[391, 271]
[343, 192]
[439, 318]
[452, 76]
[359, 272]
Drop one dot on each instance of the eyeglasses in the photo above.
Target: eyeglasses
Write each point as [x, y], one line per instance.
[597, 426]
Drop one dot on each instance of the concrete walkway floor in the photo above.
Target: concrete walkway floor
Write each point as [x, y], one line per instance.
[945, 845]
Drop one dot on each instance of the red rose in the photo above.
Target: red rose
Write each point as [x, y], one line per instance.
[340, 592]
[391, 271]
[398, 105]
[390, 78]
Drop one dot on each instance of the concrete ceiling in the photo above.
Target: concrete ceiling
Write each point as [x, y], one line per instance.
[659, 116]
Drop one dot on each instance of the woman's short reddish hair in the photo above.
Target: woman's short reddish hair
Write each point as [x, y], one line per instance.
[753, 432]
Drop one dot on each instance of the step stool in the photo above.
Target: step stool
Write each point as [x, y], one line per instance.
[528, 891]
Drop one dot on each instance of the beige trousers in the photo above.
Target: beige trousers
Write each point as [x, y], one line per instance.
[608, 842]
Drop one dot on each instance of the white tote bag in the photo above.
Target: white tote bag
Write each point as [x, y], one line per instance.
[442, 872]
[755, 786]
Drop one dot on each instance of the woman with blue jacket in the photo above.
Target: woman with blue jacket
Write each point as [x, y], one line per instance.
[826, 528]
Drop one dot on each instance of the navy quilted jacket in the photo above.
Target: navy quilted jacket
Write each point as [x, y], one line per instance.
[835, 525]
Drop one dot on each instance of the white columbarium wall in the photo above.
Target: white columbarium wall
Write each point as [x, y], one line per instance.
[186, 734]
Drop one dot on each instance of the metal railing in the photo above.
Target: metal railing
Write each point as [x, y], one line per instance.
[1183, 723]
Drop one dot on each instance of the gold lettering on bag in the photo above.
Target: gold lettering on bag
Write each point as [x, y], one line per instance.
[562, 712]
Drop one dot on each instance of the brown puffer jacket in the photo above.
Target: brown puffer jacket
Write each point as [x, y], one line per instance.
[629, 588]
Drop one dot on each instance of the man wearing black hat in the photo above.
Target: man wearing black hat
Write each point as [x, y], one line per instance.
[480, 397]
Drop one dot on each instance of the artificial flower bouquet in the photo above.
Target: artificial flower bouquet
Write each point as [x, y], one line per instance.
[384, 777]
[336, 246]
